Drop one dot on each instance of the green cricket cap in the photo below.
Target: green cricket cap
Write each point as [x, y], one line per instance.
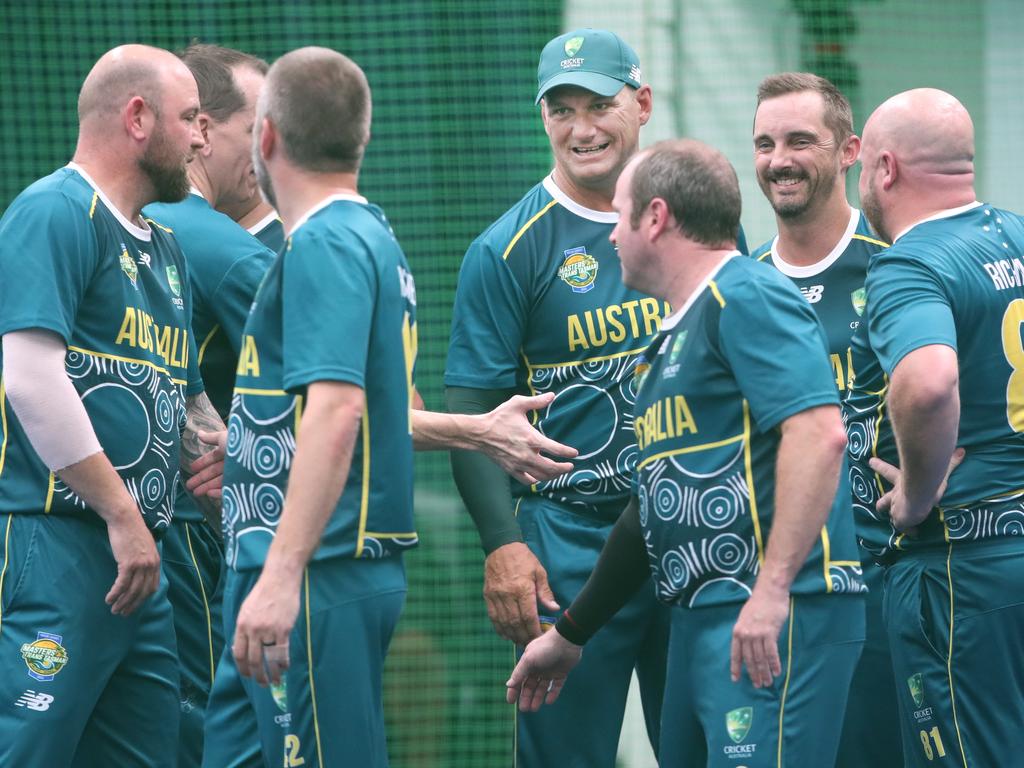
[595, 59]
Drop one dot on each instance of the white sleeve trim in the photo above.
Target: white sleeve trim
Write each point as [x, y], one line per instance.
[44, 399]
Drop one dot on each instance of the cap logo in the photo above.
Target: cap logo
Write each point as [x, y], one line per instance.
[634, 73]
[573, 45]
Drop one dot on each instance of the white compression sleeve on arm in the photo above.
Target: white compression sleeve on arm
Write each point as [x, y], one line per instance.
[44, 399]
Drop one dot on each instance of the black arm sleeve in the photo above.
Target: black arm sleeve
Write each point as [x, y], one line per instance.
[620, 571]
[485, 488]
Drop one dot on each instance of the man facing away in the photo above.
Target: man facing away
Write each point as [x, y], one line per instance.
[938, 366]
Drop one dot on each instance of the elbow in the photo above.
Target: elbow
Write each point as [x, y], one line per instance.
[833, 441]
[932, 394]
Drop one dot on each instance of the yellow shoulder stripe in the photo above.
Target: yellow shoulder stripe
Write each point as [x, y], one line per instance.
[161, 226]
[526, 226]
[765, 255]
[718, 295]
[871, 240]
[92, 207]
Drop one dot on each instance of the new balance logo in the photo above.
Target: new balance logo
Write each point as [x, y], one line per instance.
[40, 702]
[812, 293]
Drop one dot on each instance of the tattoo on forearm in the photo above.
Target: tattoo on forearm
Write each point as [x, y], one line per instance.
[200, 416]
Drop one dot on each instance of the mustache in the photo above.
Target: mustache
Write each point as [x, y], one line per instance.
[786, 174]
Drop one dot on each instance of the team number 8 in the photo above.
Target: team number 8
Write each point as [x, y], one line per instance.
[1013, 349]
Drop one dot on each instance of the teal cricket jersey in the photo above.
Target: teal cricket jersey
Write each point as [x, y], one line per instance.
[834, 287]
[540, 306]
[120, 298]
[745, 353]
[341, 300]
[226, 265]
[270, 232]
[956, 279]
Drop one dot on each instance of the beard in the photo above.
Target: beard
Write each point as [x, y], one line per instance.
[263, 176]
[166, 171]
[873, 211]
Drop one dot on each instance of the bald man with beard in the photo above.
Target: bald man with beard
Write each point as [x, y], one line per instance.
[100, 399]
[940, 364]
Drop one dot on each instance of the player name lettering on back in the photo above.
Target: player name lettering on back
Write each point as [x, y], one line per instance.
[666, 418]
[139, 330]
[636, 319]
[1006, 273]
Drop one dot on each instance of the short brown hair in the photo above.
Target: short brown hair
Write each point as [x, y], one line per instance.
[319, 100]
[838, 114]
[698, 184]
[211, 66]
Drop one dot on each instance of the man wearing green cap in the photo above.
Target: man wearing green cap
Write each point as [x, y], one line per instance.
[543, 287]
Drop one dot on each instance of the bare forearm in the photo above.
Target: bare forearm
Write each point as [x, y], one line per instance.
[200, 416]
[97, 483]
[924, 406]
[810, 458]
[433, 431]
[323, 457]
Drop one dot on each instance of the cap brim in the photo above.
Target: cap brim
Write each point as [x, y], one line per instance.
[602, 85]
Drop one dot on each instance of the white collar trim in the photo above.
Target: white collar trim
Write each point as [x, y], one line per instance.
[672, 320]
[195, 191]
[263, 223]
[793, 270]
[949, 212]
[323, 204]
[601, 217]
[139, 233]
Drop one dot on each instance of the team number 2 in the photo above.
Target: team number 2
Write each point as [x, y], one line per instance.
[292, 750]
[1013, 349]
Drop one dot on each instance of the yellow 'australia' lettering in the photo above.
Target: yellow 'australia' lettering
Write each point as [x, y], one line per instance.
[140, 331]
[843, 380]
[667, 418]
[249, 359]
[635, 319]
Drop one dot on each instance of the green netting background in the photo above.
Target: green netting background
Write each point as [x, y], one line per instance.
[456, 140]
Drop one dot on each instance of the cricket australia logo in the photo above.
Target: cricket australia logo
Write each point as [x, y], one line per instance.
[737, 723]
[860, 300]
[173, 281]
[44, 656]
[916, 685]
[572, 47]
[579, 270]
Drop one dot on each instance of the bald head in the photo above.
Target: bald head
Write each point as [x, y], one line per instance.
[125, 72]
[697, 183]
[330, 87]
[926, 129]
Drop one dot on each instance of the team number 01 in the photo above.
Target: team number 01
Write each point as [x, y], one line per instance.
[927, 737]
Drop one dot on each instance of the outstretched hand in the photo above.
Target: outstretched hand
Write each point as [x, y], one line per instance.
[541, 672]
[518, 448]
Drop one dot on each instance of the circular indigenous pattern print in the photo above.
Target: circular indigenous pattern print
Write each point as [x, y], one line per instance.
[719, 507]
[676, 571]
[154, 488]
[728, 553]
[268, 456]
[668, 499]
[268, 503]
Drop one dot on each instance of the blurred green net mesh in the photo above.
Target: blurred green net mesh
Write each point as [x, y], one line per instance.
[456, 140]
